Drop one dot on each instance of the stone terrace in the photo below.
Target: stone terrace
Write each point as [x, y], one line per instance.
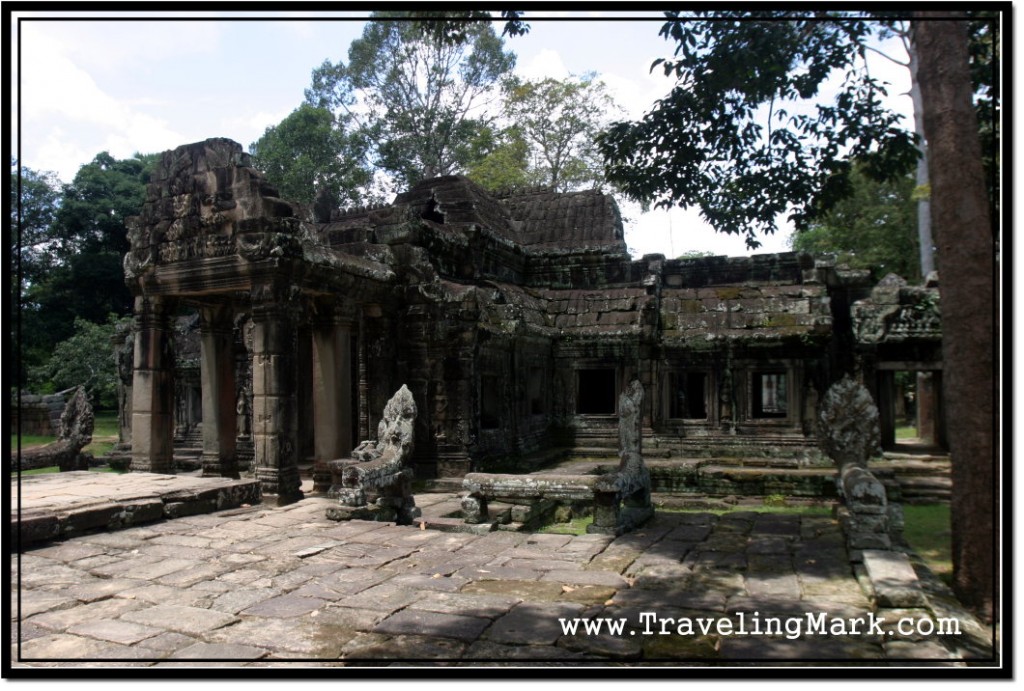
[285, 587]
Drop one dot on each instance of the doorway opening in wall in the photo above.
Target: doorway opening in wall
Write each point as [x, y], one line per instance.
[535, 391]
[769, 395]
[915, 399]
[595, 391]
[689, 396]
[490, 402]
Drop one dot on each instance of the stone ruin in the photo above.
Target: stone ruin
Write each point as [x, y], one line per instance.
[620, 500]
[515, 320]
[74, 433]
[850, 437]
[375, 484]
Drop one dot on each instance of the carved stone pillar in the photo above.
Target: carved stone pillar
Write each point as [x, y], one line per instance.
[217, 372]
[152, 389]
[332, 396]
[273, 401]
[927, 407]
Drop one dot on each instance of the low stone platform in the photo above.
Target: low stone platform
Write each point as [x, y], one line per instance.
[60, 505]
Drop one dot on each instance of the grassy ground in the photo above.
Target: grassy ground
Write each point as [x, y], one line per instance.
[104, 436]
[927, 530]
[906, 432]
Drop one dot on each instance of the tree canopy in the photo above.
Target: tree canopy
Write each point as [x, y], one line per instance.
[418, 96]
[874, 228]
[311, 151]
[560, 119]
[71, 252]
[747, 133]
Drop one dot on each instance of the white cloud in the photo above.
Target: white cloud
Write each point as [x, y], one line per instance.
[56, 89]
[546, 63]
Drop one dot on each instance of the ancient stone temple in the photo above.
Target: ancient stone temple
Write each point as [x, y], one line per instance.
[516, 320]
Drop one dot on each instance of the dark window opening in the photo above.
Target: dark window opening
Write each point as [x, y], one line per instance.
[535, 388]
[769, 395]
[595, 392]
[431, 213]
[689, 396]
[490, 402]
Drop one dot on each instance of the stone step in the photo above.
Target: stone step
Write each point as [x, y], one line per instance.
[62, 505]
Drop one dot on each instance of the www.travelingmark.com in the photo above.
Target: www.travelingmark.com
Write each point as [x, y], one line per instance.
[744, 624]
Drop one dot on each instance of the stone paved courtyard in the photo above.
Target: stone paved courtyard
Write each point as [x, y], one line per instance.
[285, 587]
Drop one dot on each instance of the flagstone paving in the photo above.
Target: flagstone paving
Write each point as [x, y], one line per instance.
[284, 586]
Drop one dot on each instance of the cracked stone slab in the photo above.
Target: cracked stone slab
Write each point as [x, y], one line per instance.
[532, 624]
[422, 622]
[893, 579]
[219, 651]
[115, 631]
[188, 620]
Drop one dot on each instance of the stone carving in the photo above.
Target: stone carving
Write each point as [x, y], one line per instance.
[849, 430]
[375, 484]
[73, 434]
[621, 500]
[848, 422]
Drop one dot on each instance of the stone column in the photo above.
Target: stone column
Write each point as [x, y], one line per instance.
[153, 389]
[217, 372]
[273, 401]
[927, 405]
[332, 396]
[886, 409]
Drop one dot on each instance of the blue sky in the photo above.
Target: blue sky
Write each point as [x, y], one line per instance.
[89, 83]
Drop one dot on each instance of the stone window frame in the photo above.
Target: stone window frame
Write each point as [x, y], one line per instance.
[491, 390]
[616, 387]
[710, 394]
[774, 367]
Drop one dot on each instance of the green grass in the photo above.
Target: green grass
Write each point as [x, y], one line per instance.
[927, 530]
[906, 432]
[54, 469]
[28, 440]
[576, 526]
[41, 471]
[104, 435]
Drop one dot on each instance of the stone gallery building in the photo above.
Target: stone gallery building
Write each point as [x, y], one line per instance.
[515, 320]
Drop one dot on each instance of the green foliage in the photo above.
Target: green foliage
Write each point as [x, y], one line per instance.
[501, 160]
[560, 120]
[874, 228]
[309, 151]
[927, 529]
[748, 133]
[86, 359]
[31, 222]
[417, 96]
[93, 208]
[79, 245]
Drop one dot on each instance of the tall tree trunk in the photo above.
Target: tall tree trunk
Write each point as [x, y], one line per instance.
[965, 240]
[924, 214]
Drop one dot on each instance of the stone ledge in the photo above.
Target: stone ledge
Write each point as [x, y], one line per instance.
[62, 505]
[893, 579]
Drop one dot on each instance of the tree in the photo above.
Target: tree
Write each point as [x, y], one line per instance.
[84, 251]
[419, 96]
[745, 135]
[501, 160]
[560, 120]
[86, 359]
[965, 235]
[31, 222]
[310, 151]
[94, 206]
[712, 142]
[874, 228]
